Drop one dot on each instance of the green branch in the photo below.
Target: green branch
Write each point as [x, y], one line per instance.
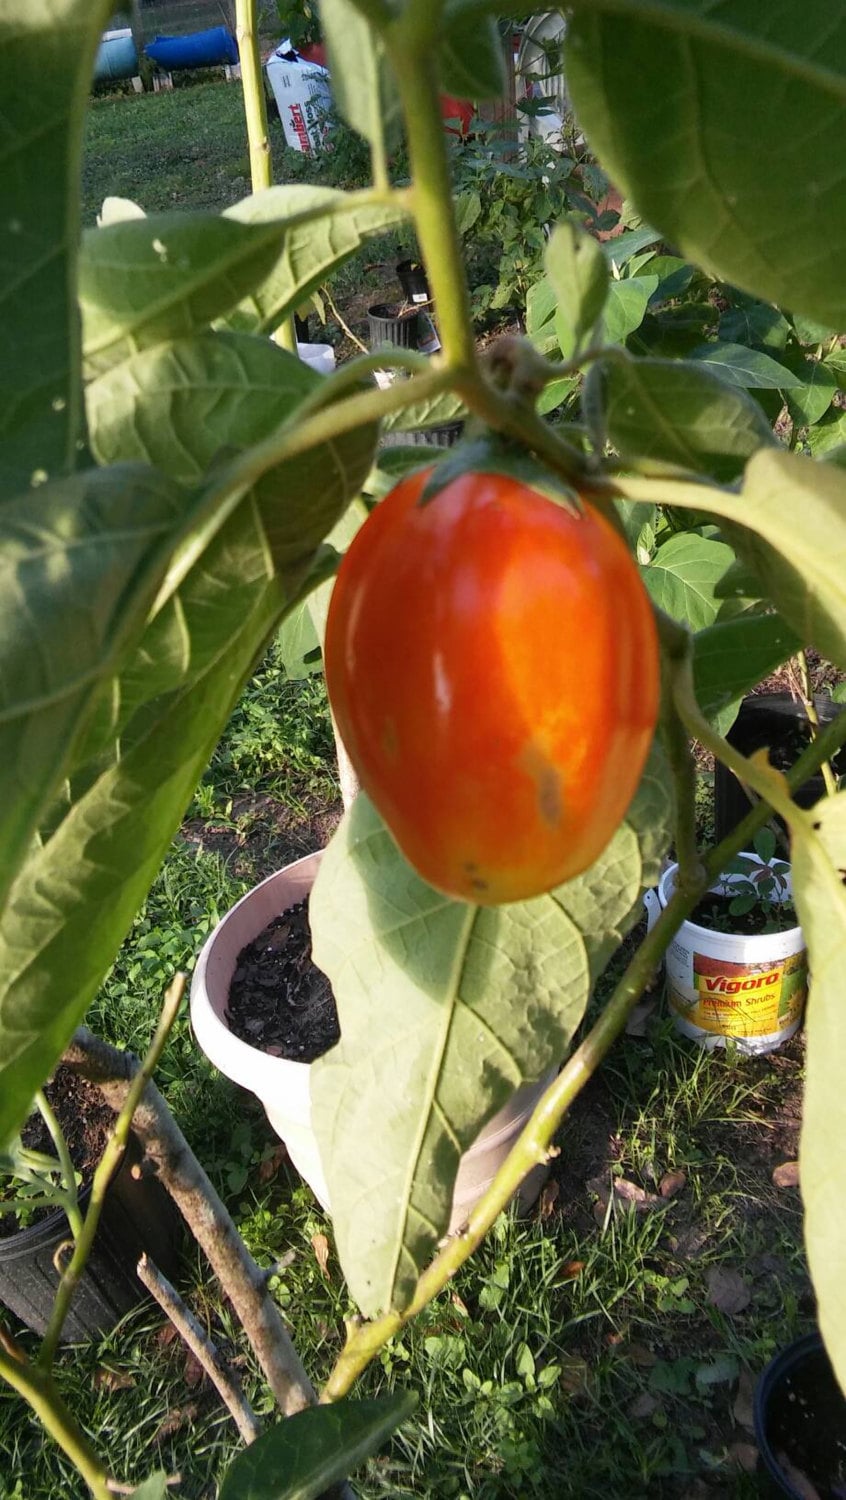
[57, 1135]
[365, 1339]
[106, 1168]
[255, 110]
[38, 1390]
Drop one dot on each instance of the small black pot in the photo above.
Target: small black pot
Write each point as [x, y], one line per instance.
[445, 436]
[389, 326]
[413, 280]
[800, 1412]
[770, 719]
[138, 1215]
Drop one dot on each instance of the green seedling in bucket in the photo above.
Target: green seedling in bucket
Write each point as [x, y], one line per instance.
[762, 887]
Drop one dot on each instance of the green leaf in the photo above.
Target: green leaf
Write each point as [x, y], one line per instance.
[754, 322]
[436, 411]
[808, 402]
[78, 574]
[625, 307]
[818, 852]
[682, 414]
[153, 1488]
[789, 525]
[471, 59]
[683, 576]
[468, 209]
[163, 277]
[662, 89]
[299, 1458]
[445, 1009]
[325, 227]
[731, 656]
[181, 404]
[298, 646]
[618, 251]
[578, 273]
[748, 368]
[363, 87]
[827, 435]
[47, 50]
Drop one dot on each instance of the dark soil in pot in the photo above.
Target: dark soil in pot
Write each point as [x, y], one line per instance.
[800, 1423]
[279, 1001]
[138, 1215]
[779, 723]
[714, 912]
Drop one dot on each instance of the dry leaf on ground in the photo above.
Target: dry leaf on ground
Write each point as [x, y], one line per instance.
[727, 1290]
[320, 1246]
[744, 1456]
[672, 1183]
[548, 1198]
[786, 1175]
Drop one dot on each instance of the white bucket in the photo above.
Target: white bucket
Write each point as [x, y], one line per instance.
[320, 357]
[728, 987]
[301, 90]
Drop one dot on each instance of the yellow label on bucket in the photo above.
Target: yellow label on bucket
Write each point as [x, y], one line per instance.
[743, 999]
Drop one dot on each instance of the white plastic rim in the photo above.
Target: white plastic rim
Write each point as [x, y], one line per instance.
[280, 1085]
[729, 987]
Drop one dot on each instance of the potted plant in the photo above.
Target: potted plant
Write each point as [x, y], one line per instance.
[42, 1210]
[737, 969]
[780, 722]
[282, 1083]
[162, 519]
[800, 1423]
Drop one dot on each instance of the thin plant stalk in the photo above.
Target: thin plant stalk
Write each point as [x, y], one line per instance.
[813, 717]
[39, 1391]
[57, 1135]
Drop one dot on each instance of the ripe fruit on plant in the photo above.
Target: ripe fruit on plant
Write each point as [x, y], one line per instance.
[492, 664]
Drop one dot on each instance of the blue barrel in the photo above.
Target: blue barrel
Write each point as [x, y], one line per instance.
[200, 49]
[116, 57]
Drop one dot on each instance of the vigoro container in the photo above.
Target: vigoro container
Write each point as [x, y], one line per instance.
[724, 986]
[302, 93]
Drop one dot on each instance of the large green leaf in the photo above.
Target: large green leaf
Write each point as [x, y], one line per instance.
[716, 117]
[326, 226]
[181, 404]
[78, 574]
[162, 277]
[47, 52]
[625, 307]
[578, 273]
[363, 86]
[445, 1009]
[299, 1458]
[818, 851]
[683, 576]
[154, 1488]
[749, 369]
[471, 60]
[730, 656]
[75, 898]
[680, 413]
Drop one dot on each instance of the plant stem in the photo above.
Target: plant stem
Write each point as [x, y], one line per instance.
[814, 719]
[365, 1339]
[677, 643]
[71, 1201]
[106, 1168]
[431, 193]
[38, 1390]
[255, 111]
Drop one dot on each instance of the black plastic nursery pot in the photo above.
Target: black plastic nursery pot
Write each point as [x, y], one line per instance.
[393, 325]
[445, 436]
[800, 1424]
[138, 1215]
[413, 280]
[774, 720]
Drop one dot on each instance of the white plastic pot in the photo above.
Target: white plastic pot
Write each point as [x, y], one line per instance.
[726, 986]
[283, 1087]
[321, 357]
